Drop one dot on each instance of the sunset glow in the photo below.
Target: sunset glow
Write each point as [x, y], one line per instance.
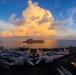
[39, 22]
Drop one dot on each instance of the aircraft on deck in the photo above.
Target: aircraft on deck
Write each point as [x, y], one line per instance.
[64, 52]
[15, 57]
[46, 58]
[5, 63]
[12, 57]
[25, 57]
[60, 52]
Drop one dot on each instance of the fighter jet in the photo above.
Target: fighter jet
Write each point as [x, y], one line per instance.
[46, 58]
[15, 58]
[25, 57]
[64, 52]
[5, 63]
[60, 52]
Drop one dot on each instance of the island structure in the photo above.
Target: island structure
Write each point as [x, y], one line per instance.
[33, 41]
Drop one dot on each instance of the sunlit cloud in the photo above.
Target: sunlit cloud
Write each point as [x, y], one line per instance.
[6, 33]
[36, 22]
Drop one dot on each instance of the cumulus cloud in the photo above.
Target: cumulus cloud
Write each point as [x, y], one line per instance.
[12, 17]
[46, 18]
[6, 33]
[19, 21]
[34, 18]
[36, 22]
[57, 25]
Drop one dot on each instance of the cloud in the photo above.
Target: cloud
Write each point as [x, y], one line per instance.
[35, 22]
[19, 21]
[46, 18]
[34, 18]
[5, 26]
[57, 25]
[71, 36]
[71, 12]
[6, 33]
[12, 17]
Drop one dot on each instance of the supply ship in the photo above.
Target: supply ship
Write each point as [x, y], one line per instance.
[33, 41]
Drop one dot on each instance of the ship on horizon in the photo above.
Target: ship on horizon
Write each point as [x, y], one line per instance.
[33, 41]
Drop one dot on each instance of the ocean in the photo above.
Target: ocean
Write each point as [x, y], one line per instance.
[18, 42]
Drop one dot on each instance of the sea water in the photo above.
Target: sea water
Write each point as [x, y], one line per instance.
[18, 42]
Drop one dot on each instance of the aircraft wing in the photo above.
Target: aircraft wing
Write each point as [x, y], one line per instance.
[38, 61]
[30, 62]
[48, 52]
[36, 54]
[5, 64]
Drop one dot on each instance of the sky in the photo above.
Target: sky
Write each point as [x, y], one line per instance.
[39, 19]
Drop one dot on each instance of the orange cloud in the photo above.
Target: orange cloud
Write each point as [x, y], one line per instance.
[36, 22]
[6, 33]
